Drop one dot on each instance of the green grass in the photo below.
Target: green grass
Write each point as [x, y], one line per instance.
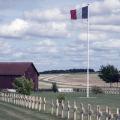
[112, 101]
[12, 112]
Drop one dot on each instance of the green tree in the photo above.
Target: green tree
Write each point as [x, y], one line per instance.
[109, 74]
[54, 87]
[23, 85]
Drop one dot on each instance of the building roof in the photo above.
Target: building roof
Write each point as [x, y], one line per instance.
[15, 68]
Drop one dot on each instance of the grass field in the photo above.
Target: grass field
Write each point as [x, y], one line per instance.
[75, 80]
[78, 80]
[12, 112]
[112, 101]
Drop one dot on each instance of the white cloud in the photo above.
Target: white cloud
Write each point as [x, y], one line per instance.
[23, 28]
[44, 27]
[44, 46]
[108, 44]
[18, 54]
[45, 15]
[5, 48]
[46, 42]
[93, 36]
[106, 28]
[49, 29]
[14, 29]
[112, 4]
[105, 12]
[47, 45]
[104, 6]
[112, 19]
[48, 23]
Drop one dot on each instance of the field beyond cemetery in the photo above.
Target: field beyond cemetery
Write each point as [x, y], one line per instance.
[75, 80]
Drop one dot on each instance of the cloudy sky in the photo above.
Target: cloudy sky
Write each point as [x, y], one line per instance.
[41, 31]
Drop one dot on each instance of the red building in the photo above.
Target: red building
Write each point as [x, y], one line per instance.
[11, 70]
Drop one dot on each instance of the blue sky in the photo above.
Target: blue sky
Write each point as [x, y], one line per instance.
[41, 31]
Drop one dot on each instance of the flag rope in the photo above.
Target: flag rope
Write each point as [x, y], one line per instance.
[88, 57]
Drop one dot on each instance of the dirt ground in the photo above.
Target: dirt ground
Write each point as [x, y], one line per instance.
[70, 80]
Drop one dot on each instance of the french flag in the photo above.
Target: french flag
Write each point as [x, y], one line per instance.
[79, 14]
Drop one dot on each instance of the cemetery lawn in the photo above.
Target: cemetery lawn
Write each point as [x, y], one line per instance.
[12, 112]
[103, 100]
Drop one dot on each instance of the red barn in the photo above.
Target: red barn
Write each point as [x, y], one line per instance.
[11, 70]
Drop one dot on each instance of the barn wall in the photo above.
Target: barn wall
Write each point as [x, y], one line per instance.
[6, 81]
[32, 74]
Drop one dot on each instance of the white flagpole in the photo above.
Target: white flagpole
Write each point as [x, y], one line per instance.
[88, 57]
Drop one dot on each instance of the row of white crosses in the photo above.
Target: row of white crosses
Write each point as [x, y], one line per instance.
[37, 103]
[107, 90]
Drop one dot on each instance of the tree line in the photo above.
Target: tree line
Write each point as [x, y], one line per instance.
[67, 71]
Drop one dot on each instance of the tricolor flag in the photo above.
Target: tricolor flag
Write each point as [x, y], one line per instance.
[79, 13]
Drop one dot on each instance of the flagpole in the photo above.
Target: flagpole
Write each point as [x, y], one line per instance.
[88, 57]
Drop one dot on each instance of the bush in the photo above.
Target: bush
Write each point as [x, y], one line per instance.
[97, 90]
[109, 74]
[54, 87]
[61, 97]
[23, 85]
